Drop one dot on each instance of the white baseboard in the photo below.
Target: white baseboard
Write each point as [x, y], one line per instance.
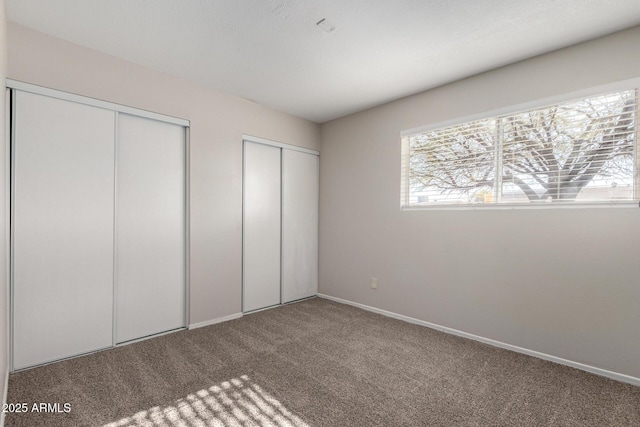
[4, 395]
[592, 369]
[214, 321]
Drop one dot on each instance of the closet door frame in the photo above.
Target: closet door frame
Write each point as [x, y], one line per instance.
[255, 139]
[67, 96]
[15, 85]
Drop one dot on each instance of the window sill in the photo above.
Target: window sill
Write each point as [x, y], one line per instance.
[517, 206]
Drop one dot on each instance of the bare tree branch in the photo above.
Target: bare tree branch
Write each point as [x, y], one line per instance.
[553, 152]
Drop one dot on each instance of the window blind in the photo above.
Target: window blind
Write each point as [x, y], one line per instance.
[580, 151]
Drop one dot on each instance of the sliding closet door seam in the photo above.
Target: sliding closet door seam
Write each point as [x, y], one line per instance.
[281, 225]
[187, 227]
[11, 219]
[115, 229]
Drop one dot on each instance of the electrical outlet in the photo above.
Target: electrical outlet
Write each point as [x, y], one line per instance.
[374, 283]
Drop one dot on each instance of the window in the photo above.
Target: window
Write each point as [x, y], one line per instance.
[578, 152]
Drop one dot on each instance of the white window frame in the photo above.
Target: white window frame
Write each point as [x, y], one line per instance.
[630, 84]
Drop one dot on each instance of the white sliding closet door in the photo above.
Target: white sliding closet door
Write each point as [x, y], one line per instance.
[261, 226]
[63, 190]
[150, 228]
[299, 225]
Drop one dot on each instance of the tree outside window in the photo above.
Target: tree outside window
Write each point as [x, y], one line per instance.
[579, 151]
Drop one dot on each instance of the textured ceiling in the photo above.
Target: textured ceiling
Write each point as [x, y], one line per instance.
[272, 51]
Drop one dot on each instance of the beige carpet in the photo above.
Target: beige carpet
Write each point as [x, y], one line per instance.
[317, 363]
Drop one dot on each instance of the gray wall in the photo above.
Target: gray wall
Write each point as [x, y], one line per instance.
[217, 124]
[562, 282]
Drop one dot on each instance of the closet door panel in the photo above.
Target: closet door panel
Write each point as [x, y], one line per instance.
[150, 228]
[300, 225]
[261, 226]
[63, 192]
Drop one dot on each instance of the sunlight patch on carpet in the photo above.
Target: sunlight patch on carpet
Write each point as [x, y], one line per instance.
[235, 403]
